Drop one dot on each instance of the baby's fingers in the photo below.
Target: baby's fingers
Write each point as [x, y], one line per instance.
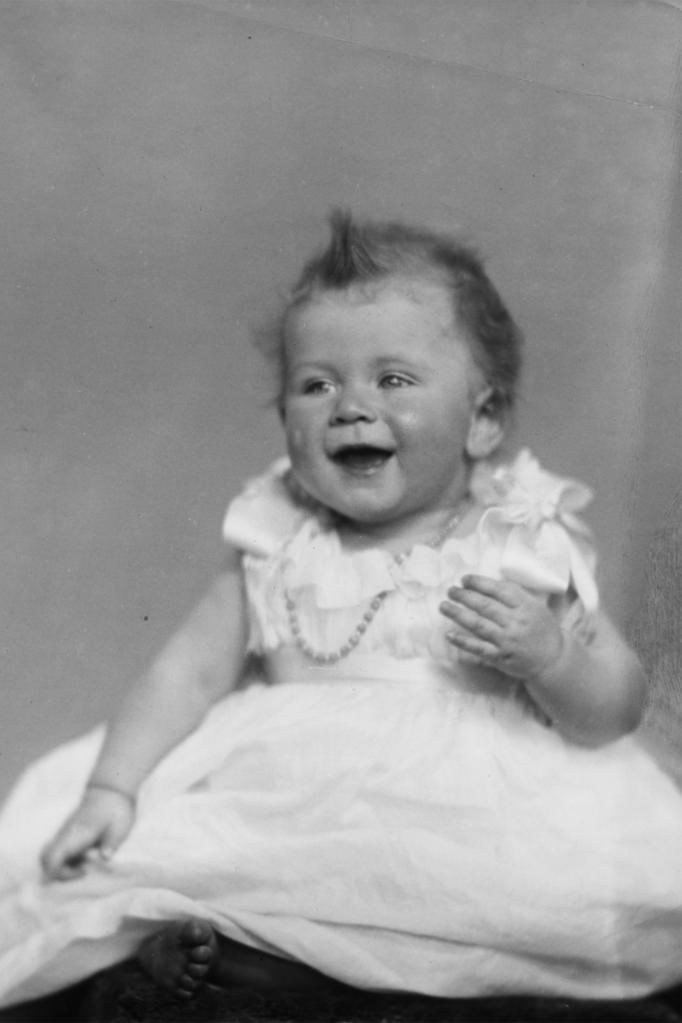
[66, 856]
[471, 649]
[496, 591]
[483, 622]
[468, 606]
[58, 866]
[116, 833]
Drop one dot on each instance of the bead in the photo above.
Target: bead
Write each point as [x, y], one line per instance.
[331, 657]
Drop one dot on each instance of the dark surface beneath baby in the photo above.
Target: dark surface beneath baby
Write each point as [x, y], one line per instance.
[240, 1007]
[126, 996]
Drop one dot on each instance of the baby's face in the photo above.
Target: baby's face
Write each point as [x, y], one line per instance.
[380, 399]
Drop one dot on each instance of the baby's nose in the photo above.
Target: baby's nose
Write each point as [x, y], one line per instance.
[353, 405]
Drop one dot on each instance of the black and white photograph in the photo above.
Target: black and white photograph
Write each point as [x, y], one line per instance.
[341, 517]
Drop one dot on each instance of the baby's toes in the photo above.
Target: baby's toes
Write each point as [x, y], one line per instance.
[196, 933]
[198, 943]
[180, 956]
[197, 970]
[199, 956]
[187, 986]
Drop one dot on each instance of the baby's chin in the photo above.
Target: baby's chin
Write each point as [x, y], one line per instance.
[298, 490]
[360, 496]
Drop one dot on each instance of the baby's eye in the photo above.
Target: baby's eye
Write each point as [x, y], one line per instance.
[317, 386]
[393, 380]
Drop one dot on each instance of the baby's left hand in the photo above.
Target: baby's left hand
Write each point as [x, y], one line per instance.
[501, 625]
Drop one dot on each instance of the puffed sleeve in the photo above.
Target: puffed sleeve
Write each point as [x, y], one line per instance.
[265, 514]
[532, 534]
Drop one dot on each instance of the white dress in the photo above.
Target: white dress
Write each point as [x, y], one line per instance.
[394, 819]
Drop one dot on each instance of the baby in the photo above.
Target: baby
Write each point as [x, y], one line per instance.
[435, 791]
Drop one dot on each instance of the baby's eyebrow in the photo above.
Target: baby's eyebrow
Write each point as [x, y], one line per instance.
[376, 365]
[391, 360]
[312, 367]
[396, 362]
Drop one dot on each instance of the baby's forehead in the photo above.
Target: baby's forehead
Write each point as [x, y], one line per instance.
[389, 319]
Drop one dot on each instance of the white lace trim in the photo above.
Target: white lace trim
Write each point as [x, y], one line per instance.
[528, 533]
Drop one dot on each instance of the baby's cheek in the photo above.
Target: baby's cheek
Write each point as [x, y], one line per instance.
[303, 462]
[295, 439]
[297, 442]
[406, 421]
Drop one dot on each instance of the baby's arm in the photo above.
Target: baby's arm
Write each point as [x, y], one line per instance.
[201, 663]
[592, 690]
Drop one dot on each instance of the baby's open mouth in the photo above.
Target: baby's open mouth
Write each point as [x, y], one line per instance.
[361, 457]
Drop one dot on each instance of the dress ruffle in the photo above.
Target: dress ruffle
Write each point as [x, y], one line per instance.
[531, 527]
[265, 514]
[529, 533]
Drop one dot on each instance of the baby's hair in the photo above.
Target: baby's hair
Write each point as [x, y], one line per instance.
[365, 252]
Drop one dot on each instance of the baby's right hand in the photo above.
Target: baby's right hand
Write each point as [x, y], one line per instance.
[99, 825]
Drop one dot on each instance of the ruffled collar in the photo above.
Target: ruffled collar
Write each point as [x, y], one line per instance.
[526, 494]
[528, 532]
[316, 558]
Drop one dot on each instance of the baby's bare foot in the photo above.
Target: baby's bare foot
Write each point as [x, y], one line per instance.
[180, 956]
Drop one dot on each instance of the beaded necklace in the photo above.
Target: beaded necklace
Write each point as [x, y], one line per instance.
[331, 656]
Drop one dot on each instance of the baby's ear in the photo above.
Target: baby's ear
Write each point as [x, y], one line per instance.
[487, 425]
